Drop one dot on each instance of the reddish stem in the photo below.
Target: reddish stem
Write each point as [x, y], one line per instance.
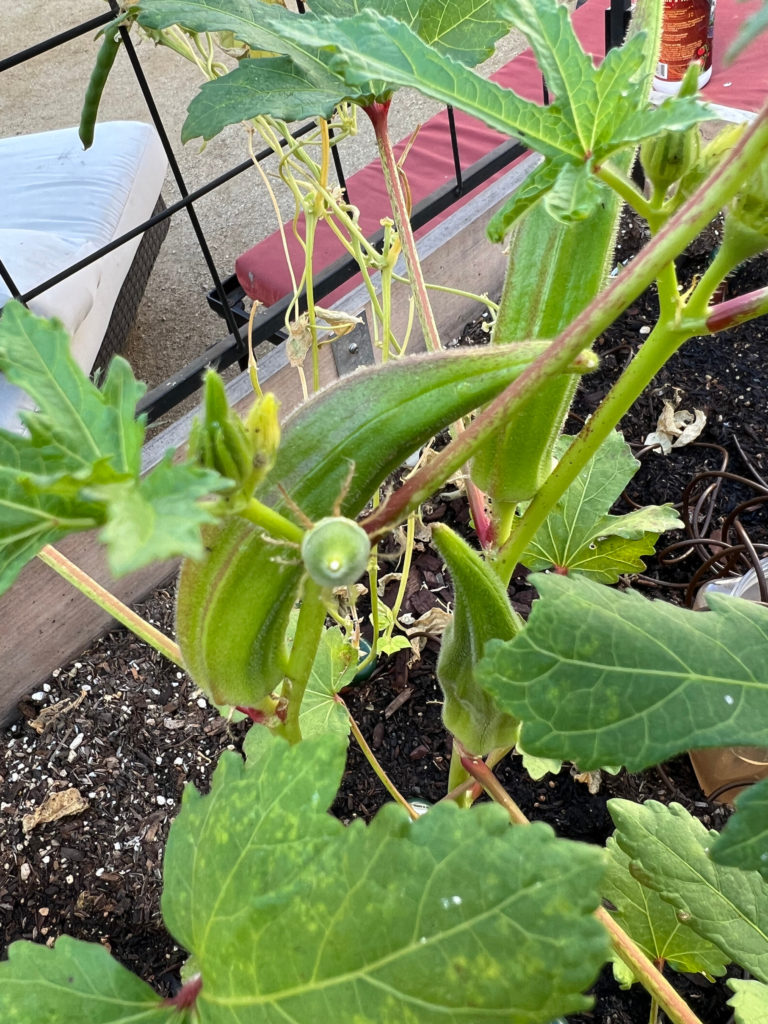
[187, 995]
[736, 311]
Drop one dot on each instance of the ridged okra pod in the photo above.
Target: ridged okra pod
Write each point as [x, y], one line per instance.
[554, 271]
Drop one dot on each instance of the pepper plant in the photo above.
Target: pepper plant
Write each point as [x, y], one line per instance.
[456, 915]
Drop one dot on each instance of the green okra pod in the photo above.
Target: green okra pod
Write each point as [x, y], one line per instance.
[105, 58]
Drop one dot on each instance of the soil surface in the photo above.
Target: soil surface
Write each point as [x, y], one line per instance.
[121, 731]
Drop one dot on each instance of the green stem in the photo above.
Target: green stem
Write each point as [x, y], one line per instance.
[660, 345]
[378, 114]
[410, 531]
[624, 187]
[372, 760]
[272, 522]
[109, 603]
[309, 629]
[689, 220]
[458, 775]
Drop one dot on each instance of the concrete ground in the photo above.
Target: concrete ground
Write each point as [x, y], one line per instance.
[174, 323]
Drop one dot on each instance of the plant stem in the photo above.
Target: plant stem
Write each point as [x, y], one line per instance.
[272, 522]
[370, 757]
[480, 771]
[736, 311]
[378, 114]
[79, 579]
[303, 651]
[650, 977]
[660, 345]
[689, 220]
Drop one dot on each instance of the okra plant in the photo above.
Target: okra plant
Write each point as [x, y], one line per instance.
[460, 914]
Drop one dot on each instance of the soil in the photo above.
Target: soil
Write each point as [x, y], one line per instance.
[127, 730]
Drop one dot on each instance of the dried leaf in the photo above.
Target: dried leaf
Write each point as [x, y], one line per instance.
[676, 428]
[56, 805]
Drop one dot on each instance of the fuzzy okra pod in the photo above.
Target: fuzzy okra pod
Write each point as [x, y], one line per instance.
[481, 612]
[555, 270]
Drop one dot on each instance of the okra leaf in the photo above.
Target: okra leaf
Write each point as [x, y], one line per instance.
[537, 184]
[369, 47]
[334, 667]
[575, 194]
[79, 425]
[743, 843]
[75, 982]
[268, 85]
[465, 31]
[256, 24]
[157, 516]
[291, 916]
[79, 466]
[579, 536]
[29, 519]
[669, 851]
[600, 677]
[750, 1002]
[567, 69]
[653, 923]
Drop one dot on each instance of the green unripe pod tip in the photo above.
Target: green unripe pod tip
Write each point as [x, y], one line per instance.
[335, 551]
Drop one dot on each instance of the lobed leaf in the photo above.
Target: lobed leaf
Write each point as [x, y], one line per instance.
[743, 843]
[750, 1001]
[76, 982]
[580, 536]
[268, 85]
[291, 916]
[79, 467]
[669, 850]
[653, 923]
[600, 677]
[157, 516]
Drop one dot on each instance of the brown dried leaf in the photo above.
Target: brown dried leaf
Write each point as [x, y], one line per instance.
[56, 805]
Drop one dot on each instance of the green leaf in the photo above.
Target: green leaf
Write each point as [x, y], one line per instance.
[158, 516]
[575, 194]
[28, 519]
[334, 667]
[291, 916]
[668, 849]
[481, 612]
[536, 185]
[258, 24]
[750, 1002]
[75, 982]
[654, 924]
[76, 421]
[370, 47]
[406, 400]
[465, 31]
[239, 850]
[743, 843]
[600, 677]
[567, 69]
[268, 85]
[579, 536]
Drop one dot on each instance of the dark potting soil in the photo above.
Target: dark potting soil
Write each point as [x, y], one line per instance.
[126, 730]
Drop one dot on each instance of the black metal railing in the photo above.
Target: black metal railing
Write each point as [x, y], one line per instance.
[226, 296]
